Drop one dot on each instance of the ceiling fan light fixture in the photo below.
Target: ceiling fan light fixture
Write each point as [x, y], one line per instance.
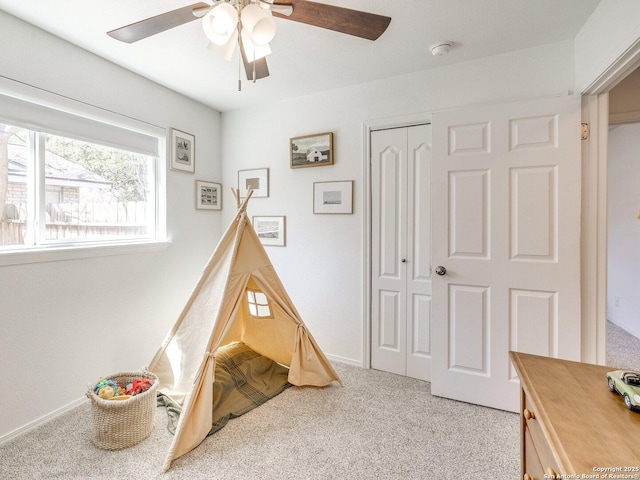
[258, 24]
[228, 22]
[251, 50]
[226, 50]
[220, 23]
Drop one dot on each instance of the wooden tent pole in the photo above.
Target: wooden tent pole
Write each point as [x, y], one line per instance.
[236, 195]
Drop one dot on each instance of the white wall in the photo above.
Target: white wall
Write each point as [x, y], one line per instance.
[624, 228]
[64, 324]
[323, 263]
[608, 37]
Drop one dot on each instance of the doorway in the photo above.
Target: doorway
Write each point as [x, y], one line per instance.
[623, 222]
[623, 259]
[600, 113]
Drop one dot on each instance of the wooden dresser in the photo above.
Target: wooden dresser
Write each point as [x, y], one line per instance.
[572, 424]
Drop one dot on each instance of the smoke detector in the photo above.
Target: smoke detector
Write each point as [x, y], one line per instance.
[440, 48]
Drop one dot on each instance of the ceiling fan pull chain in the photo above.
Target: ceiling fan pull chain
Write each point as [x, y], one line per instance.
[254, 65]
[239, 74]
[239, 26]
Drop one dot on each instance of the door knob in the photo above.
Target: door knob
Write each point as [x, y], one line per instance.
[440, 270]
[404, 260]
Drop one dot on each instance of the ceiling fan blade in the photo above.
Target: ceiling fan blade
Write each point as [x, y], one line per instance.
[200, 12]
[344, 20]
[262, 70]
[281, 9]
[286, 10]
[159, 23]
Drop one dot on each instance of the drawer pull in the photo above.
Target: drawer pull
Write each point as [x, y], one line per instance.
[528, 414]
[551, 472]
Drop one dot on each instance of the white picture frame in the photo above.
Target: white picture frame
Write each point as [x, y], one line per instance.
[208, 195]
[182, 156]
[333, 197]
[271, 230]
[257, 179]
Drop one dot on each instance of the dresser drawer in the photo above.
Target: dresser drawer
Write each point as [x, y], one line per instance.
[532, 421]
[531, 465]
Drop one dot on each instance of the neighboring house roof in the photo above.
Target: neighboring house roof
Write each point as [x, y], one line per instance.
[58, 170]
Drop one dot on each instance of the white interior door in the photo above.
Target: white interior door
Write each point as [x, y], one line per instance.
[506, 223]
[401, 251]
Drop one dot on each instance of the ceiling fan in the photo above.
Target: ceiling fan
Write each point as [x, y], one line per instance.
[248, 24]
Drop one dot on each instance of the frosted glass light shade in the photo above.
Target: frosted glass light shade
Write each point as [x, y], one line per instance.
[258, 25]
[226, 50]
[251, 50]
[220, 23]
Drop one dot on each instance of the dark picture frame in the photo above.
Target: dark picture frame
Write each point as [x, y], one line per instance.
[311, 150]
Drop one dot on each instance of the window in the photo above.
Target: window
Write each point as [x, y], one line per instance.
[55, 189]
[76, 180]
[258, 304]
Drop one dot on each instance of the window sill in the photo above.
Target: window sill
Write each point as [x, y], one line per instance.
[73, 252]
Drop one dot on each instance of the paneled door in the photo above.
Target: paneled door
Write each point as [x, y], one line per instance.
[506, 223]
[401, 251]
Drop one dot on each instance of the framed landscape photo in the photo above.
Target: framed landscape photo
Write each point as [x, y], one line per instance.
[257, 179]
[271, 230]
[183, 153]
[311, 150]
[333, 197]
[208, 195]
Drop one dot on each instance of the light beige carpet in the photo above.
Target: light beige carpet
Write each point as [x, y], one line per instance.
[379, 426]
[623, 349]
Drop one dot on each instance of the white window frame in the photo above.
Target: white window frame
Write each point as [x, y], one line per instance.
[66, 251]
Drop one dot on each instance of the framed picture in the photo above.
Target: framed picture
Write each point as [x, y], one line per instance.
[333, 197]
[312, 150]
[208, 195]
[257, 179]
[183, 151]
[270, 230]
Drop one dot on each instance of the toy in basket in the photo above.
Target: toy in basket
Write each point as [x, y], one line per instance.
[122, 416]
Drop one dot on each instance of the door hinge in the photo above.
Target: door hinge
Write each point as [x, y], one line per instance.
[585, 131]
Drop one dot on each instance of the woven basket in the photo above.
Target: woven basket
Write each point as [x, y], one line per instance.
[122, 424]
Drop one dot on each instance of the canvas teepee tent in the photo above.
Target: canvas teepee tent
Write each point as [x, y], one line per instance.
[217, 313]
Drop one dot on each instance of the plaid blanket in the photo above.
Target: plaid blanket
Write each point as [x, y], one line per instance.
[244, 380]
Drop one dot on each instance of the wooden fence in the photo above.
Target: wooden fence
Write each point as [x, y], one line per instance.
[90, 221]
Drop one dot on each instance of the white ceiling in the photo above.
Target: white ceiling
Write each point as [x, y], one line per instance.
[307, 59]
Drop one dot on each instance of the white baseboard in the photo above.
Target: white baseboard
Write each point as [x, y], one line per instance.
[347, 361]
[18, 432]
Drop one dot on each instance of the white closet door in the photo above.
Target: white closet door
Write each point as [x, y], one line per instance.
[401, 282]
[419, 252]
[506, 223]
